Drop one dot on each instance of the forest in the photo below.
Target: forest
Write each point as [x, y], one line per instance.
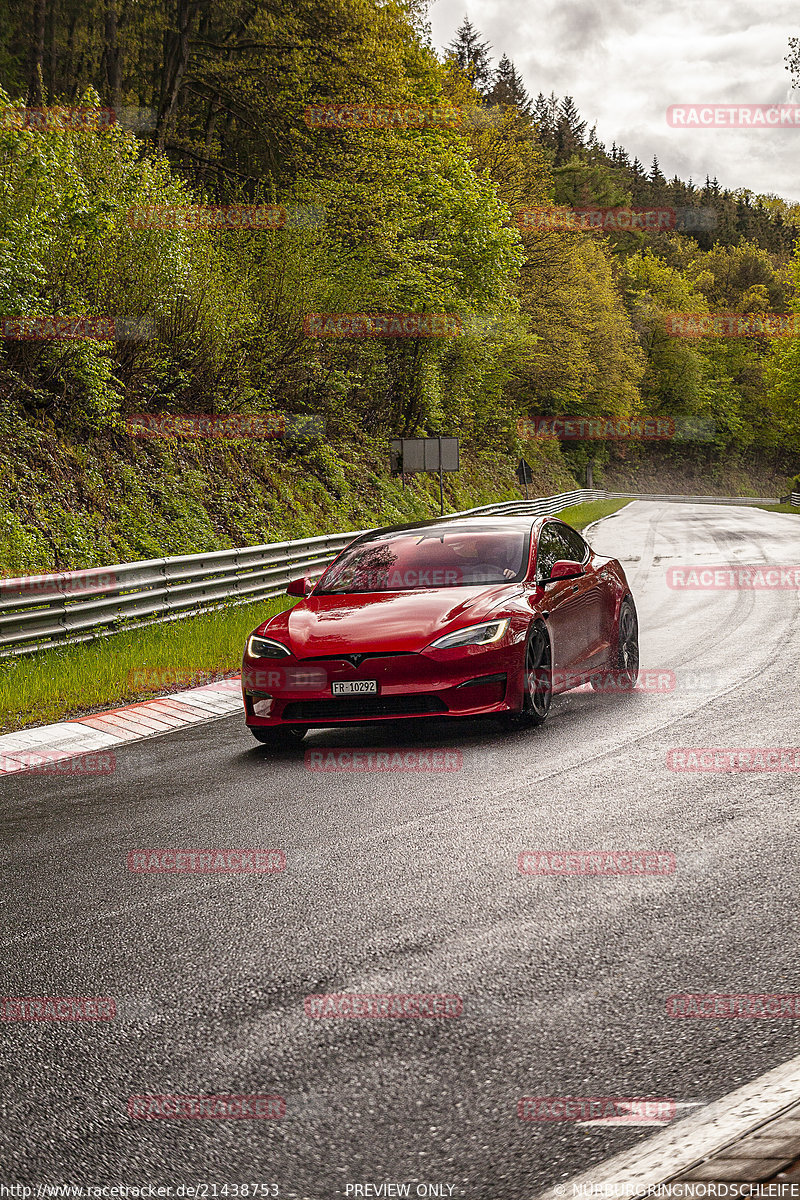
[210, 106]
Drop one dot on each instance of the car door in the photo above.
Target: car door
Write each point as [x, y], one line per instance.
[589, 598]
[560, 608]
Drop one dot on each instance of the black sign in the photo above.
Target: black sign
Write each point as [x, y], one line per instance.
[524, 473]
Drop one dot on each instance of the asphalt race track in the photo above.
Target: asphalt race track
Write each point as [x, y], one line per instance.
[408, 883]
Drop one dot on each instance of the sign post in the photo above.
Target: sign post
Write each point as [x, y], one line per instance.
[524, 475]
[415, 455]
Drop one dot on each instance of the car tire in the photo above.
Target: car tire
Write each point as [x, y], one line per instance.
[625, 660]
[283, 737]
[538, 680]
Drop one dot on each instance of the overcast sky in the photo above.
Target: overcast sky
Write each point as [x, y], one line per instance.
[625, 62]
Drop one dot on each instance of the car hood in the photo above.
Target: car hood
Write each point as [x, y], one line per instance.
[394, 622]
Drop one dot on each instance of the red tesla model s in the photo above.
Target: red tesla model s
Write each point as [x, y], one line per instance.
[458, 617]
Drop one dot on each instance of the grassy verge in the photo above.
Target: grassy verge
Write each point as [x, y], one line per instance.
[787, 508]
[581, 515]
[135, 665]
[154, 660]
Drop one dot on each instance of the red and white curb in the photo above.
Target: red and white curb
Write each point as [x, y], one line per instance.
[720, 1126]
[105, 730]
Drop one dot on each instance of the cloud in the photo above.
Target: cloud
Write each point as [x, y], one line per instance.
[624, 63]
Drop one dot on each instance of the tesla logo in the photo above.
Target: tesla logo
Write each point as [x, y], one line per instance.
[355, 660]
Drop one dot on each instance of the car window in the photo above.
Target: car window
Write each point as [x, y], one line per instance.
[552, 546]
[442, 556]
[579, 551]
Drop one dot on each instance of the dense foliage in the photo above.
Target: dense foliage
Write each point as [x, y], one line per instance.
[398, 219]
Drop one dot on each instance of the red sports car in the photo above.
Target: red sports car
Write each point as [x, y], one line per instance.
[458, 617]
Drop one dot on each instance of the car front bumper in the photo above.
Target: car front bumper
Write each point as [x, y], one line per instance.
[473, 681]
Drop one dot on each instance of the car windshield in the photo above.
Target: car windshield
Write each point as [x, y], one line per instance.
[441, 557]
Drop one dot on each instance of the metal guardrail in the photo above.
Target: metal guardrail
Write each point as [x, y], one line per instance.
[43, 611]
[745, 500]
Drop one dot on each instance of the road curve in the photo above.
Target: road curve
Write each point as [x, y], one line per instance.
[407, 883]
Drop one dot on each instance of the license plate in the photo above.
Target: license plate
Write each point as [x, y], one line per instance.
[355, 687]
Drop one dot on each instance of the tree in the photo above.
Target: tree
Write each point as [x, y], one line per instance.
[569, 132]
[177, 46]
[545, 117]
[472, 55]
[508, 90]
[111, 63]
[36, 53]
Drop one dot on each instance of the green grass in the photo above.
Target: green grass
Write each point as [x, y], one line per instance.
[153, 660]
[135, 665]
[581, 515]
[787, 508]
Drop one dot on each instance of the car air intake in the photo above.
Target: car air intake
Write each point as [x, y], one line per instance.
[351, 707]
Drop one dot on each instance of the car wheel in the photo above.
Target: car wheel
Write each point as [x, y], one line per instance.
[282, 737]
[538, 679]
[625, 669]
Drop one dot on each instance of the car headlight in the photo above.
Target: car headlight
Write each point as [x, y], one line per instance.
[259, 647]
[474, 635]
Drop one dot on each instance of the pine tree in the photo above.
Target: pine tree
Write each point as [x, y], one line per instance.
[656, 175]
[472, 55]
[544, 117]
[508, 90]
[569, 113]
[569, 131]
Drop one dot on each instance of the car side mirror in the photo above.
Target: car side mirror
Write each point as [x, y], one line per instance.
[565, 568]
[298, 587]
